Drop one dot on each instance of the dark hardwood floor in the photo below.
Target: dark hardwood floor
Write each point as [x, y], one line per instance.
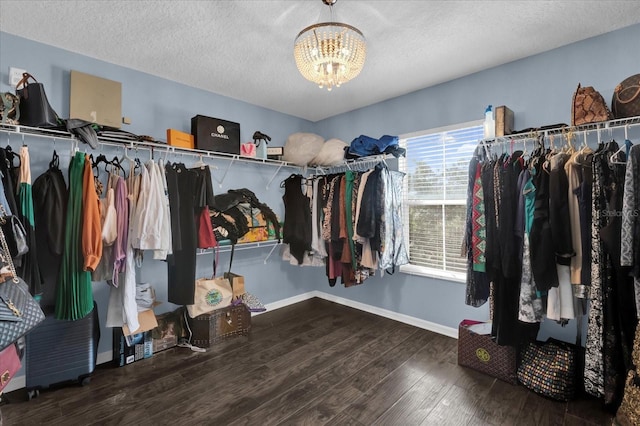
[312, 363]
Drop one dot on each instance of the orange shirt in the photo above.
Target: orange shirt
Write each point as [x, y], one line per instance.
[91, 225]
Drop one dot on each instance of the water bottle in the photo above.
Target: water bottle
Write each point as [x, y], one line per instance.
[489, 123]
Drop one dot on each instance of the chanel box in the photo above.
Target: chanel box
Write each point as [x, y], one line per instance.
[214, 134]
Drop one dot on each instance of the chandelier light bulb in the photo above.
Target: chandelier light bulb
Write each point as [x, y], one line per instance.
[330, 53]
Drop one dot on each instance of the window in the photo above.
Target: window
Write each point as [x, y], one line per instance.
[435, 197]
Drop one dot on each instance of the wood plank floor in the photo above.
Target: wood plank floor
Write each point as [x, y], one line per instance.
[312, 363]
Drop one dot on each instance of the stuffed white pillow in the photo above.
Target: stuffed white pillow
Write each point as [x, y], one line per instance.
[301, 148]
[331, 154]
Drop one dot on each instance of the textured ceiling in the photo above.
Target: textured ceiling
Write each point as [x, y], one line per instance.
[243, 49]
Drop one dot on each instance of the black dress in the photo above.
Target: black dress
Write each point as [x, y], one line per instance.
[181, 265]
[50, 196]
[297, 218]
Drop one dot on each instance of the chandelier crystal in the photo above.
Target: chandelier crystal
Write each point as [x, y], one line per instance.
[330, 53]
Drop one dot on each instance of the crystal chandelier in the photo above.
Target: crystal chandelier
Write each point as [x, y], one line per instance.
[330, 53]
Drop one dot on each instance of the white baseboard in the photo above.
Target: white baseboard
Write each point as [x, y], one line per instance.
[288, 301]
[104, 357]
[407, 319]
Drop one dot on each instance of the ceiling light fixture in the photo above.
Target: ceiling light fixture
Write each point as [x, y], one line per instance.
[330, 53]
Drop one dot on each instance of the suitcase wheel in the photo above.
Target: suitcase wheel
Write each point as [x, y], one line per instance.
[34, 393]
[84, 381]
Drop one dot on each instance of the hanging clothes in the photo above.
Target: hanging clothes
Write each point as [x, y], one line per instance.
[165, 225]
[91, 223]
[74, 295]
[29, 269]
[204, 201]
[474, 247]
[50, 197]
[630, 226]
[394, 252]
[530, 303]
[183, 201]
[297, 218]
[9, 178]
[109, 218]
[594, 360]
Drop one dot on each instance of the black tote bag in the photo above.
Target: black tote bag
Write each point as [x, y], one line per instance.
[35, 110]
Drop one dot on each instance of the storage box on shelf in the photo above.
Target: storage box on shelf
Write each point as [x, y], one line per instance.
[215, 134]
[180, 139]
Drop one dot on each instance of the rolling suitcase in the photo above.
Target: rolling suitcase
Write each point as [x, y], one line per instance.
[60, 351]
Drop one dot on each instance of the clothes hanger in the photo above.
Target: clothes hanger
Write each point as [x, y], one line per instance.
[199, 163]
[125, 157]
[116, 163]
[55, 160]
[626, 146]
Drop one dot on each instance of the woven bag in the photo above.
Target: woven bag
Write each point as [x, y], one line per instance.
[626, 98]
[481, 353]
[549, 369]
[588, 107]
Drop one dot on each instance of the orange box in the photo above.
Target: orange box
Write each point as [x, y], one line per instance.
[179, 139]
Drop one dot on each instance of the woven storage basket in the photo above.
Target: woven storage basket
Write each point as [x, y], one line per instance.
[210, 328]
[481, 353]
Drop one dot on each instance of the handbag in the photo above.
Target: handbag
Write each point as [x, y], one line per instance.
[35, 109]
[626, 98]
[628, 413]
[550, 369]
[14, 233]
[236, 280]
[248, 150]
[210, 294]
[9, 365]
[19, 311]
[588, 107]
[9, 108]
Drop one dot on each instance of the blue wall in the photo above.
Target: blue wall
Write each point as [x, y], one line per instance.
[155, 104]
[538, 89]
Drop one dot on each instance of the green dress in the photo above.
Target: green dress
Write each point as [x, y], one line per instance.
[74, 294]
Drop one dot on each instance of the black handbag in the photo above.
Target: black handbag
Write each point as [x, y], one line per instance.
[19, 311]
[626, 98]
[14, 233]
[35, 110]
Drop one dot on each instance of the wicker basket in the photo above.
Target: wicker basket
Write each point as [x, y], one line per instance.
[210, 328]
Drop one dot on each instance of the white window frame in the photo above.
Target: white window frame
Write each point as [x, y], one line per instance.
[410, 268]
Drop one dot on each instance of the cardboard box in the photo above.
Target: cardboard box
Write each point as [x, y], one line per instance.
[180, 139]
[215, 134]
[480, 352]
[147, 320]
[129, 349]
[504, 121]
[275, 152]
[95, 99]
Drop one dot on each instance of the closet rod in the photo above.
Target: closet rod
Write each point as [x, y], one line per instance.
[622, 123]
[356, 164]
[243, 246]
[160, 146]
